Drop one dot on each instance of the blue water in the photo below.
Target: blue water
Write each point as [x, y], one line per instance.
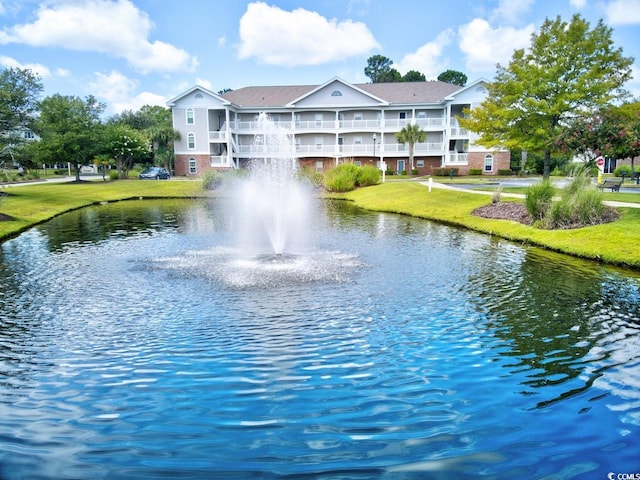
[136, 343]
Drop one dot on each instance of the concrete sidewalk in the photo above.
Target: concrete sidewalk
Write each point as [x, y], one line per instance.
[610, 203]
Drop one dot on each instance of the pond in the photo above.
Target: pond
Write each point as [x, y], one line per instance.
[136, 342]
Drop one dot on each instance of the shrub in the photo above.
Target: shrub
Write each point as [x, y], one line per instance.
[310, 175]
[342, 178]
[368, 175]
[475, 171]
[211, 179]
[113, 175]
[444, 171]
[538, 199]
[626, 169]
[414, 171]
[505, 172]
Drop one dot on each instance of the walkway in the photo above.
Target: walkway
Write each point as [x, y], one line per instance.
[447, 186]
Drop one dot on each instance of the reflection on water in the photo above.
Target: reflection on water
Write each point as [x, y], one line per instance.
[137, 342]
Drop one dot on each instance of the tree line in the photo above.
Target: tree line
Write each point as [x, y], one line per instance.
[380, 69]
[71, 129]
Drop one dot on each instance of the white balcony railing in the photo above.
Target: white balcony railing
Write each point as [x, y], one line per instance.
[217, 136]
[219, 160]
[459, 132]
[456, 158]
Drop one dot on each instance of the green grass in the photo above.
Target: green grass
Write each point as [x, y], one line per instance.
[615, 243]
[38, 202]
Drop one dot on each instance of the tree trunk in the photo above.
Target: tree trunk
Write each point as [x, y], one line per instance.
[546, 171]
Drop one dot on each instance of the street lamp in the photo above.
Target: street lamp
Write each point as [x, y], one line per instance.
[374, 146]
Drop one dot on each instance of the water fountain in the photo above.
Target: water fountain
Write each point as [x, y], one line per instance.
[276, 224]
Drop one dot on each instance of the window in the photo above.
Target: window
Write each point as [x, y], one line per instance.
[340, 143]
[488, 163]
[357, 116]
[199, 95]
[336, 93]
[318, 118]
[357, 163]
[191, 141]
[319, 143]
[190, 116]
[419, 163]
[193, 169]
[29, 135]
[357, 140]
[319, 166]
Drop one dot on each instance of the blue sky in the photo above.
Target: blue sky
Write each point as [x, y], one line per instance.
[134, 52]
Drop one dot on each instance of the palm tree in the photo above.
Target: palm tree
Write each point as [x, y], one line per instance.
[411, 134]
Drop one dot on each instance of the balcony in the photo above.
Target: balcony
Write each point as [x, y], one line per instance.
[459, 132]
[219, 161]
[457, 158]
[218, 136]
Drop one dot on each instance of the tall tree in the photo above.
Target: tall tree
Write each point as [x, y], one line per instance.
[568, 70]
[20, 91]
[453, 76]
[411, 134]
[126, 146]
[378, 68]
[70, 129]
[414, 76]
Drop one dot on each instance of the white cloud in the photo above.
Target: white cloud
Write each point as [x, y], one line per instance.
[82, 26]
[203, 82]
[300, 37]
[511, 12]
[623, 12]
[427, 59]
[118, 91]
[579, 4]
[484, 47]
[37, 68]
[222, 41]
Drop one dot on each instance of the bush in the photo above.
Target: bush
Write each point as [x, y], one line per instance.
[211, 179]
[414, 171]
[444, 172]
[368, 175]
[342, 178]
[113, 175]
[505, 172]
[475, 171]
[538, 199]
[311, 176]
[626, 169]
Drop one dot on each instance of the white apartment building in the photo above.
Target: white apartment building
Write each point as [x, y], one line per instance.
[333, 123]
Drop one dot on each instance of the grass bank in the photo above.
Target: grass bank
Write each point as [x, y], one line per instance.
[615, 243]
[38, 202]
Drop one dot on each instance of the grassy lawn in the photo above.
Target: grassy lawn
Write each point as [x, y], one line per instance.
[615, 243]
[38, 202]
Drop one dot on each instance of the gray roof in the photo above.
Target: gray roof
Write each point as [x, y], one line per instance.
[392, 92]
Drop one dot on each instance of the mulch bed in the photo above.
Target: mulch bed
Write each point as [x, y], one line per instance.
[505, 211]
[518, 213]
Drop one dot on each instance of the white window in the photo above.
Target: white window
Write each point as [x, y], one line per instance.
[419, 163]
[190, 116]
[193, 168]
[357, 116]
[488, 163]
[319, 167]
[318, 117]
[319, 143]
[357, 140]
[191, 141]
[340, 143]
[336, 93]
[357, 163]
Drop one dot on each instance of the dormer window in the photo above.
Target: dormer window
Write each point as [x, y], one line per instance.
[336, 93]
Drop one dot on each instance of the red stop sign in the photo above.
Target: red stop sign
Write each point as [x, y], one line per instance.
[600, 161]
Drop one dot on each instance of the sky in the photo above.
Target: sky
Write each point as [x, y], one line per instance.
[130, 53]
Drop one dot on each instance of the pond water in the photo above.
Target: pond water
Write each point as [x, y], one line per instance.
[135, 342]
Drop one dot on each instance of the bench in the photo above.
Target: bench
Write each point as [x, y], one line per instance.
[612, 183]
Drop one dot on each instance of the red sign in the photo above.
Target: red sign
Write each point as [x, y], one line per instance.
[600, 161]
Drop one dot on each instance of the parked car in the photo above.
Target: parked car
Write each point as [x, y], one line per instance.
[154, 173]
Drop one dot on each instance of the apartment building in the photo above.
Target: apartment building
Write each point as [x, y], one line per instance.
[333, 123]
